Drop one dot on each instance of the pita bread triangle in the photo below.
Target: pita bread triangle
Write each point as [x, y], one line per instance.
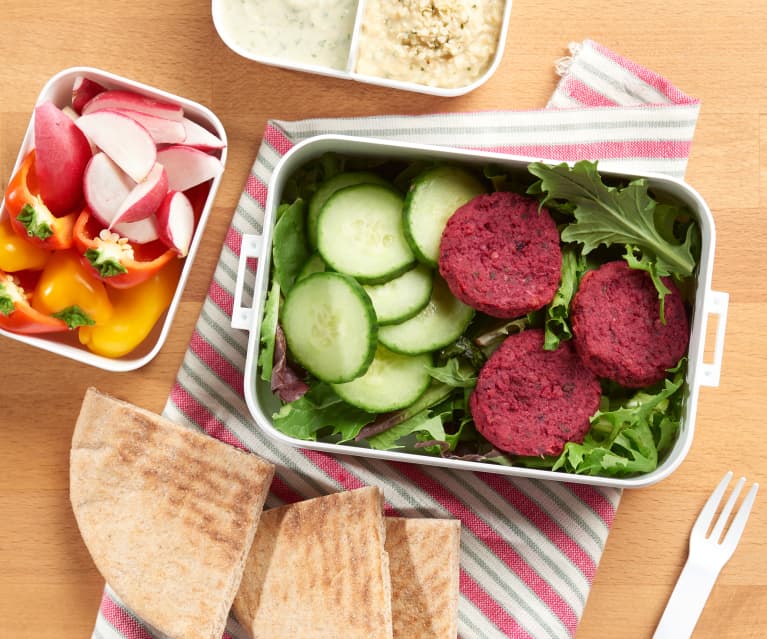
[424, 559]
[168, 514]
[317, 569]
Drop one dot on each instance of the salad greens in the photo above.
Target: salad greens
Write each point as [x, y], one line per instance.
[291, 249]
[598, 221]
[624, 215]
[574, 265]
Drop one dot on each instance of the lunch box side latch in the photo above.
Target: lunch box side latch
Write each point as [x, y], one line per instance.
[242, 316]
[716, 304]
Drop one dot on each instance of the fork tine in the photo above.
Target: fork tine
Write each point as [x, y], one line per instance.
[707, 513]
[739, 523]
[725, 514]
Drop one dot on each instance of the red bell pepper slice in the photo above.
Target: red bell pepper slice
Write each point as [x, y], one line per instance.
[115, 260]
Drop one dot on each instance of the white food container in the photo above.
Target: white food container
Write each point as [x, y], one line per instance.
[59, 90]
[349, 71]
[263, 404]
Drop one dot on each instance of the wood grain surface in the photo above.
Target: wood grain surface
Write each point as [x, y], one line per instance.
[715, 51]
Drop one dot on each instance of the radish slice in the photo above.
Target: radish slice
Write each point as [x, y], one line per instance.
[144, 198]
[175, 219]
[188, 166]
[83, 91]
[200, 138]
[106, 187]
[163, 130]
[141, 232]
[129, 100]
[123, 139]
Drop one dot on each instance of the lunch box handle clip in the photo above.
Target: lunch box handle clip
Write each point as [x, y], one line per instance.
[250, 248]
[716, 304]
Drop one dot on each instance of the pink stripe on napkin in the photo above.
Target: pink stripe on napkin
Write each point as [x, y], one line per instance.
[121, 619]
[672, 93]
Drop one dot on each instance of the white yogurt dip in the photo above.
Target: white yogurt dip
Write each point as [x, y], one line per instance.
[316, 32]
[442, 43]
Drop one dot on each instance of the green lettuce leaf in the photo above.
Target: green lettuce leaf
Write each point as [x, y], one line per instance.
[290, 248]
[320, 409]
[454, 374]
[491, 339]
[503, 180]
[268, 331]
[441, 422]
[465, 350]
[607, 215]
[641, 263]
[557, 327]
[307, 179]
[423, 421]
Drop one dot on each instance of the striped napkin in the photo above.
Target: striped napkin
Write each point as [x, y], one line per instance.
[530, 549]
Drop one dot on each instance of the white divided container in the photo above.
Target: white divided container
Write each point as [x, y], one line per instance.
[307, 27]
[263, 404]
[59, 91]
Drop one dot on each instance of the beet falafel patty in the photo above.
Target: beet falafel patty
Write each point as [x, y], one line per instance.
[500, 255]
[529, 401]
[617, 325]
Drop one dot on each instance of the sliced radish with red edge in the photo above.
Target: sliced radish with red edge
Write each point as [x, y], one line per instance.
[188, 167]
[175, 219]
[163, 130]
[144, 198]
[123, 139]
[200, 138]
[141, 232]
[106, 186]
[118, 99]
[83, 91]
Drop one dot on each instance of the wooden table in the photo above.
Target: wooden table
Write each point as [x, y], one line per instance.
[48, 584]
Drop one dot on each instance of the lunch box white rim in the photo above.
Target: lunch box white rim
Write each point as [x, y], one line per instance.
[707, 303]
[58, 89]
[350, 74]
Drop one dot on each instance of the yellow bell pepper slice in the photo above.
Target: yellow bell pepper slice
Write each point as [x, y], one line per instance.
[16, 253]
[136, 311]
[69, 292]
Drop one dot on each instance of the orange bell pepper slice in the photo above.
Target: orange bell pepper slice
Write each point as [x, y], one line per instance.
[29, 216]
[16, 313]
[67, 290]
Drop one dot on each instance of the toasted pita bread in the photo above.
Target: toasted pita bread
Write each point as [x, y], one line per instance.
[424, 566]
[168, 514]
[318, 569]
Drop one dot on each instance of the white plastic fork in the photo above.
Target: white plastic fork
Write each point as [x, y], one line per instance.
[705, 561]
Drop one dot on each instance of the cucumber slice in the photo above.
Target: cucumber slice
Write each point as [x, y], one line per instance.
[359, 233]
[330, 326]
[403, 297]
[313, 265]
[433, 197]
[330, 186]
[440, 323]
[393, 381]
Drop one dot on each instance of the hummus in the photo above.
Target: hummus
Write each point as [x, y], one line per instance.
[442, 43]
[316, 32]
